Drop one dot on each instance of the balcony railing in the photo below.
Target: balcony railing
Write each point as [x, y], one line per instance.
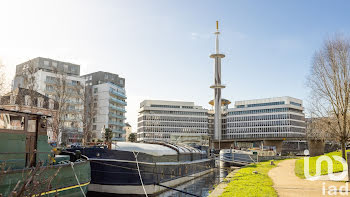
[48, 81]
[118, 94]
[116, 116]
[117, 108]
[70, 119]
[116, 123]
[73, 129]
[118, 139]
[74, 102]
[118, 131]
[118, 101]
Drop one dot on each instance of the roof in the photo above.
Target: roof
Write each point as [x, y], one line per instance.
[152, 149]
[155, 149]
[20, 112]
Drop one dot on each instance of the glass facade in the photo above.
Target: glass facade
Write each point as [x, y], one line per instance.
[161, 124]
[272, 122]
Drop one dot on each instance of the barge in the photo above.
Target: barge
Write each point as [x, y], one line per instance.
[139, 168]
[29, 165]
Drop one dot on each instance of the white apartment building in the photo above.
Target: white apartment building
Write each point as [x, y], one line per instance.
[109, 102]
[171, 120]
[278, 117]
[47, 73]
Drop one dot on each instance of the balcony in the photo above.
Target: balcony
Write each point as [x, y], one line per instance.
[74, 102]
[120, 139]
[116, 123]
[117, 94]
[117, 116]
[48, 81]
[70, 118]
[118, 101]
[117, 108]
[73, 129]
[118, 131]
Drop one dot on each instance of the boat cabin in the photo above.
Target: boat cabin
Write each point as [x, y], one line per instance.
[23, 139]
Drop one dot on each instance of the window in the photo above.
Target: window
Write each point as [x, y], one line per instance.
[51, 104]
[12, 99]
[54, 64]
[27, 100]
[46, 63]
[296, 104]
[121, 82]
[95, 90]
[10, 121]
[40, 102]
[93, 127]
[49, 88]
[31, 125]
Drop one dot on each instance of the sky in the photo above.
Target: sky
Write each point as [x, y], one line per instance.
[162, 48]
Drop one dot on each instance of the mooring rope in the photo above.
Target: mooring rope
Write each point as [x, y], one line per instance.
[76, 177]
[138, 169]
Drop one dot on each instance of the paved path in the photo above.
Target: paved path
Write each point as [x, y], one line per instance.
[288, 184]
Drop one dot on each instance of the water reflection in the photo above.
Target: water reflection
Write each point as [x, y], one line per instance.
[200, 186]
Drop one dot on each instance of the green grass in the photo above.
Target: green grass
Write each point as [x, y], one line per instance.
[299, 165]
[246, 183]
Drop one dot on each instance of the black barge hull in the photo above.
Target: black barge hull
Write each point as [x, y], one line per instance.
[114, 171]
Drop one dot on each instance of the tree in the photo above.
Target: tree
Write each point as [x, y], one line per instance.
[58, 88]
[132, 137]
[4, 86]
[28, 81]
[108, 134]
[318, 129]
[86, 117]
[330, 86]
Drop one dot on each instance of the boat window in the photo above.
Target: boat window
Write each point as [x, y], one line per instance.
[11, 121]
[31, 125]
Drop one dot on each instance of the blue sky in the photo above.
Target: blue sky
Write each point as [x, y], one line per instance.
[162, 47]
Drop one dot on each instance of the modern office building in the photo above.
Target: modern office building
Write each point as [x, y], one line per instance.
[60, 81]
[172, 121]
[108, 101]
[271, 118]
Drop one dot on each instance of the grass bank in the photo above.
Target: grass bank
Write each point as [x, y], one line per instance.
[246, 183]
[299, 165]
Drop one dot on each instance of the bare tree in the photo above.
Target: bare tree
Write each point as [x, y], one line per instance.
[4, 86]
[29, 82]
[85, 95]
[330, 84]
[59, 92]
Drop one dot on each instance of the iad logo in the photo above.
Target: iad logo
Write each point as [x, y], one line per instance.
[329, 161]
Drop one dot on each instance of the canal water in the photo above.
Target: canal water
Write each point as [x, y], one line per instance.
[199, 186]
